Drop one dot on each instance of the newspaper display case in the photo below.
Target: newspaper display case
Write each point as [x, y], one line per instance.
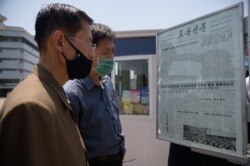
[201, 85]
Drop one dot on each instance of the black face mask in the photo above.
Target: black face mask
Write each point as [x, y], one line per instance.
[79, 67]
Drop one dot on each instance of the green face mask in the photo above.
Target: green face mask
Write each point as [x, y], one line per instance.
[104, 66]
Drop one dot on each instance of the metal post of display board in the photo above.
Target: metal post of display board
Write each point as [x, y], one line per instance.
[248, 47]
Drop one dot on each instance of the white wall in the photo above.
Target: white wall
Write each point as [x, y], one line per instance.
[141, 143]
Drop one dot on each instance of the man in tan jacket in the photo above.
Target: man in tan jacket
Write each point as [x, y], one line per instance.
[36, 123]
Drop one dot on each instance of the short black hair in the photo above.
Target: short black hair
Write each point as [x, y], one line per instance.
[101, 31]
[58, 16]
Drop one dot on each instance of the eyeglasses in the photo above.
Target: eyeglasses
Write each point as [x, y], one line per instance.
[91, 45]
[83, 41]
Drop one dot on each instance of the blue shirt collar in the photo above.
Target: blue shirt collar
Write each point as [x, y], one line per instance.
[89, 83]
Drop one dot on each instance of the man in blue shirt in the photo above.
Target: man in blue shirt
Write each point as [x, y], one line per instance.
[94, 104]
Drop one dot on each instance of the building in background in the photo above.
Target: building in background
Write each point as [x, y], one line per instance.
[18, 54]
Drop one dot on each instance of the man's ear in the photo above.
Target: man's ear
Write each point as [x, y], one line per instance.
[57, 40]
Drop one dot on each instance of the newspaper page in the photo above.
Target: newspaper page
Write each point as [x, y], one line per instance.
[200, 68]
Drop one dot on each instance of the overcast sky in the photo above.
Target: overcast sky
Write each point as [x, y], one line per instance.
[120, 15]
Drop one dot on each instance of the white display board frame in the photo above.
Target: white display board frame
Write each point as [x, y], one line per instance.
[201, 85]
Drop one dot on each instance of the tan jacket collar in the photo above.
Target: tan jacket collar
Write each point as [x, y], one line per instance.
[46, 77]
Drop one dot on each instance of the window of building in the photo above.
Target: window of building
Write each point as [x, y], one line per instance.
[9, 39]
[18, 39]
[132, 84]
[1, 38]
[29, 44]
[9, 81]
